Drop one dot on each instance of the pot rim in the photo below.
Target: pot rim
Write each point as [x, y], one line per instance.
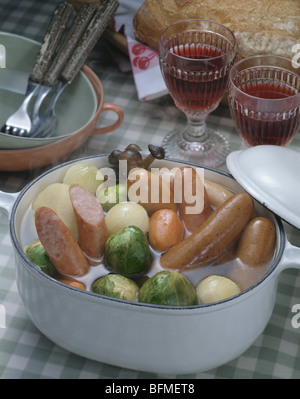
[34, 269]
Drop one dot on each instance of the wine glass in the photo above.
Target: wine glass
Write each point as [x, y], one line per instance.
[195, 58]
[264, 100]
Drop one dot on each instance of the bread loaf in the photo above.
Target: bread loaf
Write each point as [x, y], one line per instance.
[260, 26]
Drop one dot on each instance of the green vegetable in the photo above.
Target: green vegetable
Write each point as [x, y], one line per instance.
[110, 196]
[168, 288]
[127, 252]
[36, 254]
[116, 286]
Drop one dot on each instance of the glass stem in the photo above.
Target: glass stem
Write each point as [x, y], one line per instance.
[195, 130]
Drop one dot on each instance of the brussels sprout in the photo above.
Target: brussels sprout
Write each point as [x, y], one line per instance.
[110, 196]
[36, 254]
[127, 252]
[116, 286]
[168, 288]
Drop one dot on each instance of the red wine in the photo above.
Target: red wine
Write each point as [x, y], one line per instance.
[269, 90]
[271, 128]
[196, 85]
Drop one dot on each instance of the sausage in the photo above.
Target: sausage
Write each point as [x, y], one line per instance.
[194, 206]
[150, 191]
[165, 230]
[167, 175]
[214, 235]
[217, 194]
[228, 255]
[56, 196]
[257, 243]
[60, 245]
[92, 230]
[72, 283]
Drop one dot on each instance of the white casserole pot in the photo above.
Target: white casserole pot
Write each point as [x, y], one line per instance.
[139, 336]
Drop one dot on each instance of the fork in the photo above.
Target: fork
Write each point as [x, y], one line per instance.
[71, 40]
[70, 58]
[19, 123]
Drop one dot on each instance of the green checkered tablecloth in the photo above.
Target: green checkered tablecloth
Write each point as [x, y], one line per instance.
[24, 351]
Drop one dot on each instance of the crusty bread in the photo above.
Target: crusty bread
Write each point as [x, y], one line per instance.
[260, 26]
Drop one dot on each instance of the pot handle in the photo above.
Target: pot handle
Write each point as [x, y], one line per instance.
[7, 201]
[290, 258]
[106, 129]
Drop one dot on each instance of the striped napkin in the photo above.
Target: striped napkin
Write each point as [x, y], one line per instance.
[144, 60]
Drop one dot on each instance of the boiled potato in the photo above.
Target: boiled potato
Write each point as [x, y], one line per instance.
[215, 288]
[85, 175]
[126, 214]
[56, 196]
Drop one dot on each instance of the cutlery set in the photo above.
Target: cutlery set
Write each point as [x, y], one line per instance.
[66, 45]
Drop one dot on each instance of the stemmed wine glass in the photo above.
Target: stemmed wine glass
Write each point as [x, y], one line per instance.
[195, 58]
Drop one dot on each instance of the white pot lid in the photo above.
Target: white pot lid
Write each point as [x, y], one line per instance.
[271, 174]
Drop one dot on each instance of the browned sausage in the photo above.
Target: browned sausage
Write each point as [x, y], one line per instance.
[257, 243]
[62, 248]
[214, 235]
[217, 194]
[194, 206]
[72, 283]
[150, 191]
[167, 175]
[165, 229]
[90, 220]
[228, 255]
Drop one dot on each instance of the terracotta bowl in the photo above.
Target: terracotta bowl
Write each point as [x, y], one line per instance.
[19, 154]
